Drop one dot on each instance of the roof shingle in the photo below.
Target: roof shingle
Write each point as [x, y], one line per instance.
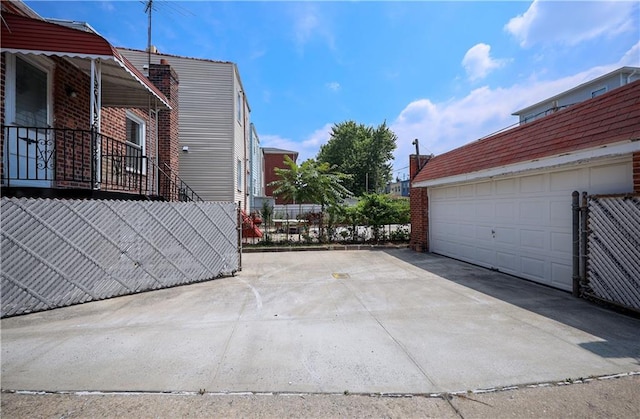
[611, 118]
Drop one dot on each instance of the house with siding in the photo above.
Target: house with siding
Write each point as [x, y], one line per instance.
[214, 129]
[505, 201]
[78, 119]
[580, 93]
[256, 175]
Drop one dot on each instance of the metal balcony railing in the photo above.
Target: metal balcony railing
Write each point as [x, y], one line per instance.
[62, 158]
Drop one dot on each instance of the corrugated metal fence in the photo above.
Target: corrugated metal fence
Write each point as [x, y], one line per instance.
[613, 250]
[61, 252]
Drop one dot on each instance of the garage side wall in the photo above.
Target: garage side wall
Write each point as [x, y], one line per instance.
[57, 253]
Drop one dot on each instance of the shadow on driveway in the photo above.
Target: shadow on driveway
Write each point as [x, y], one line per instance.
[620, 333]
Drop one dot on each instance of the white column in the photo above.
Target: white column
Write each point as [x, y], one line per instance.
[96, 101]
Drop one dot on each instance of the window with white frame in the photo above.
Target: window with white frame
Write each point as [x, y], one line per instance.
[239, 172]
[135, 143]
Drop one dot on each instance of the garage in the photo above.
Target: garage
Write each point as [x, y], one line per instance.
[520, 224]
[504, 201]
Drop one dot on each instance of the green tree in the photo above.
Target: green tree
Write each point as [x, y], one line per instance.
[363, 152]
[310, 182]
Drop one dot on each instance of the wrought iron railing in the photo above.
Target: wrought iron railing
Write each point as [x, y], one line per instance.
[63, 158]
[173, 187]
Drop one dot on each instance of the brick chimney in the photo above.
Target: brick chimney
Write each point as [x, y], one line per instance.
[166, 80]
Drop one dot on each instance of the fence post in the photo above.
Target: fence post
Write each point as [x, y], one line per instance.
[575, 209]
[583, 245]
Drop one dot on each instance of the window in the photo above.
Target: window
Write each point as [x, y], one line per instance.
[239, 107]
[599, 91]
[135, 143]
[239, 172]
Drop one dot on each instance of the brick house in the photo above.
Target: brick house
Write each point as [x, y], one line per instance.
[504, 202]
[274, 158]
[78, 120]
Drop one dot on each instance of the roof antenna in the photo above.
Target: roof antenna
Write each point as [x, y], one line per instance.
[415, 143]
[148, 9]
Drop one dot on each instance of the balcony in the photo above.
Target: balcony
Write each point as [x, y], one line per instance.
[61, 162]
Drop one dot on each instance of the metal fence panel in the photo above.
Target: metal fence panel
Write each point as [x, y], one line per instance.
[613, 267]
[61, 252]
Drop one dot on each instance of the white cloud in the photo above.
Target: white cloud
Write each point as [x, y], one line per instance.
[333, 86]
[306, 149]
[443, 126]
[478, 62]
[308, 24]
[571, 23]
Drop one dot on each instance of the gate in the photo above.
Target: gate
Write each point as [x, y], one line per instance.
[57, 253]
[610, 249]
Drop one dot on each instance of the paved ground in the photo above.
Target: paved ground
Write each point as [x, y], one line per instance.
[361, 322]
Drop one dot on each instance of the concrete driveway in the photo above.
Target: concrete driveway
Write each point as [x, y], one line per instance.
[391, 321]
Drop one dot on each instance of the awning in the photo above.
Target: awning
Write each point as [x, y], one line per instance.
[122, 84]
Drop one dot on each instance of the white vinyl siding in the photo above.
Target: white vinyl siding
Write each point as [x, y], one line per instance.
[520, 225]
[208, 123]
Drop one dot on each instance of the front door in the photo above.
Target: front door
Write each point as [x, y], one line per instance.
[30, 151]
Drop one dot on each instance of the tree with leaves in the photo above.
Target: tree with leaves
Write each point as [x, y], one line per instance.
[363, 152]
[310, 182]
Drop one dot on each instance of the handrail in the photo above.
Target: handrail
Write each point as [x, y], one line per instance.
[65, 158]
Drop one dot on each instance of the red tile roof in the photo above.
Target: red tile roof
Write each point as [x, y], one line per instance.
[611, 118]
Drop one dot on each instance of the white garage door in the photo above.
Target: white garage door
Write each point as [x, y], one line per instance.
[519, 225]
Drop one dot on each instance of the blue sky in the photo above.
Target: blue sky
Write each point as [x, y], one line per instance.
[446, 73]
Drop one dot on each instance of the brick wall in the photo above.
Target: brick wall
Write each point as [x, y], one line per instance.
[71, 110]
[419, 204]
[636, 172]
[271, 161]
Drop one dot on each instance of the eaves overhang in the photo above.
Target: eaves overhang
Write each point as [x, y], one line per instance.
[566, 159]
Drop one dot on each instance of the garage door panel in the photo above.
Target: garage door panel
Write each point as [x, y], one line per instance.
[467, 231]
[560, 211]
[561, 242]
[484, 210]
[486, 256]
[506, 210]
[561, 275]
[506, 187]
[532, 184]
[484, 233]
[444, 230]
[533, 268]
[533, 212]
[467, 191]
[567, 180]
[506, 236]
[483, 189]
[508, 262]
[533, 239]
